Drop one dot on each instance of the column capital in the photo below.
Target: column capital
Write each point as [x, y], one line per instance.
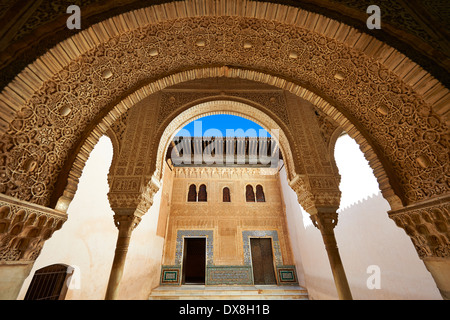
[24, 228]
[427, 224]
[126, 223]
[128, 195]
[325, 220]
[316, 192]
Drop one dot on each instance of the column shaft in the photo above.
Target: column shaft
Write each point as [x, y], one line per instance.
[125, 224]
[325, 222]
[337, 268]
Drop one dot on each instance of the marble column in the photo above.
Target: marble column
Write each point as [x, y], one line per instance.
[325, 221]
[126, 225]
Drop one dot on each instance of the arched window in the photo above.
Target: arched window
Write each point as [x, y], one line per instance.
[192, 195]
[249, 194]
[49, 283]
[226, 195]
[260, 194]
[202, 196]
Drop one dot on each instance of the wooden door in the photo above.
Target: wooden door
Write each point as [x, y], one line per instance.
[262, 260]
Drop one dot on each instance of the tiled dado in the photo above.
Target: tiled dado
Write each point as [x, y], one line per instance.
[287, 275]
[228, 275]
[170, 275]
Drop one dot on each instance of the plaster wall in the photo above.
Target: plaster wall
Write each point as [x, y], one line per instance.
[366, 237]
[227, 219]
[87, 240]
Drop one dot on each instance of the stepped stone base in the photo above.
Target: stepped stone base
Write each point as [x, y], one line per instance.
[201, 292]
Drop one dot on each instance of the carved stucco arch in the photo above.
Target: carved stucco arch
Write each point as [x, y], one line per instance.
[205, 73]
[115, 57]
[223, 107]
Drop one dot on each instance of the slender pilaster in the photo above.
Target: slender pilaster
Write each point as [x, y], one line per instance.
[126, 225]
[325, 222]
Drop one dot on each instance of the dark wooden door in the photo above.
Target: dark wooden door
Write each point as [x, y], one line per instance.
[194, 261]
[262, 260]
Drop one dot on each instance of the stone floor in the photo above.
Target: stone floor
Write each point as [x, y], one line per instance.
[202, 292]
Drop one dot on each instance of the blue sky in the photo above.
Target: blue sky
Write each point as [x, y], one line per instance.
[357, 179]
[215, 124]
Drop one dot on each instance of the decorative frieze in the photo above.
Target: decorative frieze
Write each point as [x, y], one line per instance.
[229, 275]
[224, 172]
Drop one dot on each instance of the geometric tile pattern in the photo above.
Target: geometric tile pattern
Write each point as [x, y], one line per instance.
[287, 275]
[181, 234]
[229, 275]
[170, 275]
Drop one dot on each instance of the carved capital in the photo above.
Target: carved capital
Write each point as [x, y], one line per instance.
[126, 224]
[313, 197]
[146, 197]
[427, 225]
[24, 228]
[138, 202]
[325, 221]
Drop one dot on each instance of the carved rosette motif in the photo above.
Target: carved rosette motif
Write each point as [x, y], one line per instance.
[428, 229]
[24, 228]
[406, 130]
